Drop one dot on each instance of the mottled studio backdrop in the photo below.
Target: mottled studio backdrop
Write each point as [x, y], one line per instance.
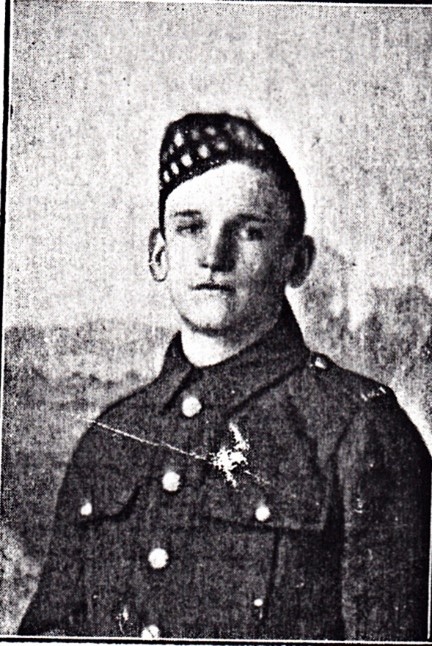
[345, 91]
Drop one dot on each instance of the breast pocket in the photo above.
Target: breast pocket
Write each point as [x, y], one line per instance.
[289, 498]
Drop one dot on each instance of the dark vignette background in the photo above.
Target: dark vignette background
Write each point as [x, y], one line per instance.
[344, 90]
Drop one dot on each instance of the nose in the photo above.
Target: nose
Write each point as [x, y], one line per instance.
[218, 253]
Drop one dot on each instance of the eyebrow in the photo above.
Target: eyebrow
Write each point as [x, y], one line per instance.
[252, 216]
[188, 213]
[191, 213]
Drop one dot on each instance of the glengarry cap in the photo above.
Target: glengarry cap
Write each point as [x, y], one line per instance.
[198, 142]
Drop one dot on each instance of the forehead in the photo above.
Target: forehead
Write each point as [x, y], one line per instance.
[234, 186]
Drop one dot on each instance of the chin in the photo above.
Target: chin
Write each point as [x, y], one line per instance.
[209, 325]
[213, 321]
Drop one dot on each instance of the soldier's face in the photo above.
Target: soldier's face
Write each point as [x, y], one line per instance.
[225, 248]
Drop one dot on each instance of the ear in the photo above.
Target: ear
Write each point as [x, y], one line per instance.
[157, 256]
[303, 254]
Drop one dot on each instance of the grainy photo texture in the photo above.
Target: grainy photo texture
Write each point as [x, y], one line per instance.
[217, 325]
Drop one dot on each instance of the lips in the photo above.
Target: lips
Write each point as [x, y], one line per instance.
[216, 287]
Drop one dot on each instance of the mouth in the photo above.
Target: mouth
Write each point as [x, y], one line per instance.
[214, 287]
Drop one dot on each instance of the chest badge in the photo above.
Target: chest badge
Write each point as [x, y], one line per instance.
[227, 459]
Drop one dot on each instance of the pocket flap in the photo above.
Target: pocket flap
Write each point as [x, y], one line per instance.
[109, 498]
[286, 502]
[110, 470]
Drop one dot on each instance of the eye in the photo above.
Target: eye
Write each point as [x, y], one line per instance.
[251, 233]
[189, 228]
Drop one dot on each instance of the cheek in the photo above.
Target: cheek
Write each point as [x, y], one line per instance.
[180, 257]
[260, 265]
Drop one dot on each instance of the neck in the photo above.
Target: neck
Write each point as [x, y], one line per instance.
[207, 349]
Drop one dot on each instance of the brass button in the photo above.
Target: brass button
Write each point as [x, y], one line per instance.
[150, 632]
[258, 610]
[86, 509]
[262, 513]
[321, 362]
[158, 558]
[171, 481]
[191, 406]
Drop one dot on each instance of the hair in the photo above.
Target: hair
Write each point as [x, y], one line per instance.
[209, 140]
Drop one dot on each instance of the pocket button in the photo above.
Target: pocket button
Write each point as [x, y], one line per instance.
[262, 513]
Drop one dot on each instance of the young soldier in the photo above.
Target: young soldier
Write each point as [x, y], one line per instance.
[254, 489]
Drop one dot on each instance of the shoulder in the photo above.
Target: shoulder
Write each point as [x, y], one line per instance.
[377, 422]
[113, 434]
[346, 409]
[325, 390]
[105, 468]
[323, 375]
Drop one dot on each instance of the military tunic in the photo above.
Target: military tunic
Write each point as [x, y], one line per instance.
[274, 495]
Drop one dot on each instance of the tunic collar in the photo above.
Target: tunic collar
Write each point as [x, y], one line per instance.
[232, 381]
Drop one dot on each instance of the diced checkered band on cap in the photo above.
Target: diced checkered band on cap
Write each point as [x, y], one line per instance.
[198, 142]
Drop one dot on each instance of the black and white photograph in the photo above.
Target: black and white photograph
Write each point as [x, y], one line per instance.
[217, 322]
